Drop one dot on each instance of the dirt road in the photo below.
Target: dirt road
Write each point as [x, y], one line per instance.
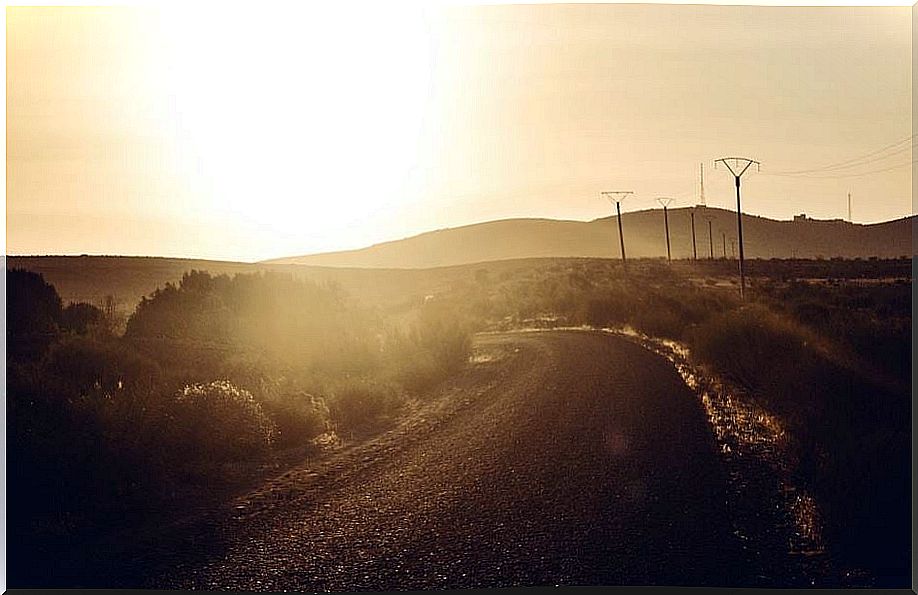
[557, 458]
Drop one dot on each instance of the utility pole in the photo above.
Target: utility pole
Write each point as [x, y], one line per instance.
[738, 168]
[724, 236]
[849, 208]
[666, 202]
[617, 196]
[710, 235]
[694, 245]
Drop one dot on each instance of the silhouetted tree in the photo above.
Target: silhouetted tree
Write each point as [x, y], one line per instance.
[33, 314]
[80, 317]
[33, 306]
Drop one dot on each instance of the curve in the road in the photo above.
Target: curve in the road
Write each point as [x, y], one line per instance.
[560, 458]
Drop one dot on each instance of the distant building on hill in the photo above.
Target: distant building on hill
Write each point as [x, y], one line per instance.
[803, 218]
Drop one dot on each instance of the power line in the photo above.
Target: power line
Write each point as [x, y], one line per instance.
[853, 162]
[804, 173]
[874, 159]
[853, 175]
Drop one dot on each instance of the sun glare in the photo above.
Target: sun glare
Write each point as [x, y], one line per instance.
[304, 123]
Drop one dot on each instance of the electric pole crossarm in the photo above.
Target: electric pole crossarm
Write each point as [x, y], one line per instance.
[736, 161]
[617, 196]
[737, 174]
[665, 201]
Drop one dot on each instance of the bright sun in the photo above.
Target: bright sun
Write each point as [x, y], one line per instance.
[304, 122]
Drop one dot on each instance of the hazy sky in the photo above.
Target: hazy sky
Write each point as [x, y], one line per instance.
[255, 133]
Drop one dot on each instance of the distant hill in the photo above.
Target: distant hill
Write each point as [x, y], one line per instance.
[643, 230]
[405, 271]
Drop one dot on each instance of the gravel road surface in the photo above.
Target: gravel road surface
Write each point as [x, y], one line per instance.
[556, 458]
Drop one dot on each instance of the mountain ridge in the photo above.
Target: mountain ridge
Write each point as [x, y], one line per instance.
[515, 238]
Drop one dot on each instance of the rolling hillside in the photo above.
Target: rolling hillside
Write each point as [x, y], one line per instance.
[401, 273]
[643, 230]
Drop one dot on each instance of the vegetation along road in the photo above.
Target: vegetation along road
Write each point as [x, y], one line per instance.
[560, 457]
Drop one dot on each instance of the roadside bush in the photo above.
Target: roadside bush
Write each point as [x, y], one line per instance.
[81, 466]
[436, 344]
[419, 373]
[848, 437]
[223, 422]
[761, 352]
[121, 450]
[84, 364]
[445, 335]
[299, 418]
[873, 321]
[659, 316]
[358, 405]
[607, 310]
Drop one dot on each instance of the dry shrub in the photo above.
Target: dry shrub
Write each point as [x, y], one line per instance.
[300, 417]
[763, 352]
[84, 364]
[223, 422]
[360, 404]
[444, 334]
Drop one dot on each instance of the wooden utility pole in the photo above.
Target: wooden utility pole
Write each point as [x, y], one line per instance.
[666, 202]
[694, 245]
[737, 167]
[710, 236]
[617, 196]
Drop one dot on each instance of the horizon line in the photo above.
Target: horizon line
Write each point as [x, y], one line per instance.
[269, 260]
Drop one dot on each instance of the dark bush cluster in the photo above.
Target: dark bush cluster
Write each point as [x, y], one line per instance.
[36, 315]
[849, 427]
[211, 372]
